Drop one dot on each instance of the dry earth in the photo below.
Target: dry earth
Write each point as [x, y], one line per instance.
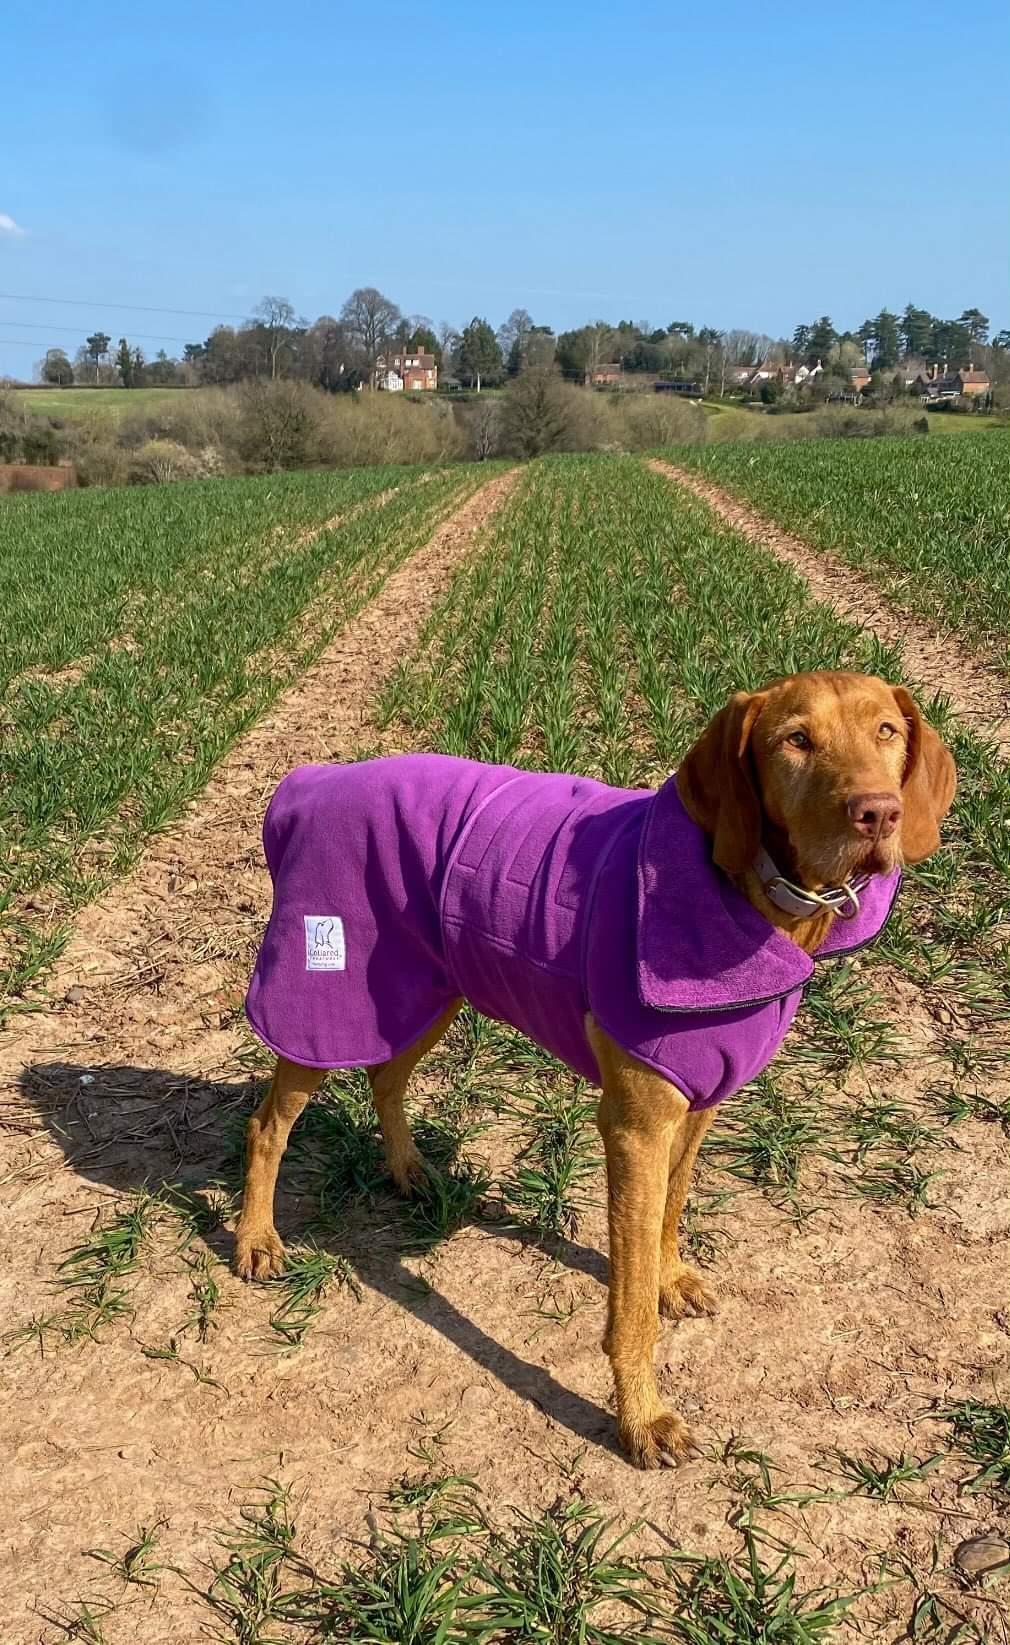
[835, 1330]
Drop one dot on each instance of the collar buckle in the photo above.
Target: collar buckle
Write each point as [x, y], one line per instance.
[842, 900]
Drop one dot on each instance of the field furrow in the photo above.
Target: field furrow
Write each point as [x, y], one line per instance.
[927, 520]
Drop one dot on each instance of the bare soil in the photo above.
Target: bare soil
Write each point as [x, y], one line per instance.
[836, 1329]
[979, 693]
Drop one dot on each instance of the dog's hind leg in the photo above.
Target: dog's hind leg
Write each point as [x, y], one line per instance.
[639, 1116]
[389, 1086]
[682, 1289]
[259, 1253]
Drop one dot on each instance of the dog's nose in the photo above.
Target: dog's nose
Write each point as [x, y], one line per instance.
[875, 815]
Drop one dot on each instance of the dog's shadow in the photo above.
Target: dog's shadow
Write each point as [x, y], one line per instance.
[129, 1128]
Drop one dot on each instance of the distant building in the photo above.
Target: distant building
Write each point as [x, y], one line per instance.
[678, 385]
[936, 387]
[606, 375]
[859, 379]
[786, 373]
[404, 368]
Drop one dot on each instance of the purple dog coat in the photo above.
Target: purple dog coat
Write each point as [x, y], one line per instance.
[401, 884]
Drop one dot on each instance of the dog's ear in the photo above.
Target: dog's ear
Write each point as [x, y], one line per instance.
[718, 785]
[928, 783]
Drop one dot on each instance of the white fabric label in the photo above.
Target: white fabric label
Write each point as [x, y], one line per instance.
[324, 943]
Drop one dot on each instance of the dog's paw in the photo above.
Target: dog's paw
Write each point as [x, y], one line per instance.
[259, 1253]
[662, 1442]
[411, 1172]
[686, 1292]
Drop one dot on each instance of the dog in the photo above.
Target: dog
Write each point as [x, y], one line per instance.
[658, 942]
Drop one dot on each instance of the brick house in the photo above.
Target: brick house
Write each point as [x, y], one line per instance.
[605, 376]
[943, 388]
[402, 368]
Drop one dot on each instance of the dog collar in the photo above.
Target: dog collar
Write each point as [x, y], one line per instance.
[842, 900]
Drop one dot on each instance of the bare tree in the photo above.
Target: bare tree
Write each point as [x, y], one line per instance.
[276, 317]
[512, 335]
[745, 348]
[448, 338]
[371, 320]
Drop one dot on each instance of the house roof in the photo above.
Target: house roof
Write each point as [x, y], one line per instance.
[973, 376]
[397, 355]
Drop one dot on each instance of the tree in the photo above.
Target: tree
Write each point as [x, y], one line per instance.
[534, 415]
[97, 347]
[124, 362]
[680, 328]
[822, 336]
[56, 368]
[710, 340]
[512, 335]
[915, 329]
[976, 324]
[333, 359]
[581, 352]
[801, 341]
[541, 346]
[276, 318]
[745, 348]
[479, 355]
[1001, 340]
[884, 338]
[371, 319]
[448, 338]
[951, 341]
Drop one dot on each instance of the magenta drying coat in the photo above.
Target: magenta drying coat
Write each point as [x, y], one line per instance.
[401, 884]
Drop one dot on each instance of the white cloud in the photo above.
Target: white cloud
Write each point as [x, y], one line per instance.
[8, 225]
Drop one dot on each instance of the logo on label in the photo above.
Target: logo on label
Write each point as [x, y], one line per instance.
[324, 943]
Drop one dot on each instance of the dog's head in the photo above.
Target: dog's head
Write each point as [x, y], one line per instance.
[842, 766]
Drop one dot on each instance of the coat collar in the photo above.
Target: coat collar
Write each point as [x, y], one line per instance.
[701, 946]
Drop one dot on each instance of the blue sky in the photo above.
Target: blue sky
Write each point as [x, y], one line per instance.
[736, 163]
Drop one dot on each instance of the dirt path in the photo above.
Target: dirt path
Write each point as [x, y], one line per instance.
[979, 693]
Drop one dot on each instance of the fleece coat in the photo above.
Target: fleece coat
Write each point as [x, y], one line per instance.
[401, 884]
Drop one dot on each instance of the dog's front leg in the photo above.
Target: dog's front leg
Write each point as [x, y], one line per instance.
[638, 1116]
[682, 1289]
[259, 1253]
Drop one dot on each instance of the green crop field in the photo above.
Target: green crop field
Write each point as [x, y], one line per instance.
[86, 402]
[144, 630]
[928, 520]
[435, 1365]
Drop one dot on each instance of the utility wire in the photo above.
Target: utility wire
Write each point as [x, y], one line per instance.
[133, 308]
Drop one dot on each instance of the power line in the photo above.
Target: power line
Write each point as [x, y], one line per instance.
[133, 308]
[38, 325]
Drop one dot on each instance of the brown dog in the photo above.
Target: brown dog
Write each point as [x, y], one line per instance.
[833, 775]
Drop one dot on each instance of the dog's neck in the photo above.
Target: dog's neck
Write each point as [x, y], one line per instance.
[806, 931]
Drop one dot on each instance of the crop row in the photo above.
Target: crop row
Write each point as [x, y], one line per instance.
[167, 630]
[928, 520]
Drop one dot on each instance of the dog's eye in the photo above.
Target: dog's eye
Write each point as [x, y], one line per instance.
[799, 739]
[886, 732]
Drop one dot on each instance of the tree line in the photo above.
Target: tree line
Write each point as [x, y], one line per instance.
[341, 353]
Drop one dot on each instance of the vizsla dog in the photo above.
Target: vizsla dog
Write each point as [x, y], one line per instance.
[657, 942]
